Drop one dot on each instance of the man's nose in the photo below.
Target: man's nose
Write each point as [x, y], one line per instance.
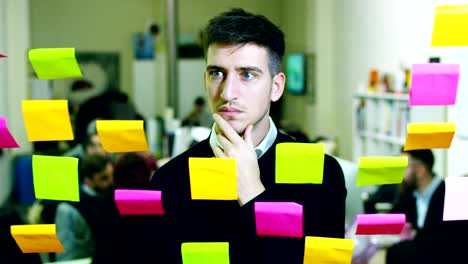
[229, 88]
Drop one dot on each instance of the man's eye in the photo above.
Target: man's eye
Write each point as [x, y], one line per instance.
[216, 74]
[247, 75]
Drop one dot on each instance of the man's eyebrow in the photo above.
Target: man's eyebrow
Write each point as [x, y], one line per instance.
[251, 68]
[214, 67]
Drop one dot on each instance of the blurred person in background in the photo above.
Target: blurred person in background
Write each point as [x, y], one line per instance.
[84, 227]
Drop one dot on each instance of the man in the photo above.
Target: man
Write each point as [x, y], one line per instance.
[243, 76]
[422, 201]
[82, 225]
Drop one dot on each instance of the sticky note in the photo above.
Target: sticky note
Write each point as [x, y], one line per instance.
[299, 163]
[434, 84]
[54, 63]
[6, 139]
[122, 135]
[429, 135]
[36, 238]
[138, 202]
[450, 26]
[283, 219]
[55, 178]
[324, 250]
[456, 195]
[206, 253]
[213, 178]
[3, 55]
[47, 120]
[381, 170]
[380, 224]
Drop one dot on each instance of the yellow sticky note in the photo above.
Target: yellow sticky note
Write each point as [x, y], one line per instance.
[381, 170]
[55, 178]
[450, 26]
[429, 135]
[213, 178]
[36, 238]
[299, 163]
[47, 120]
[54, 63]
[122, 135]
[323, 250]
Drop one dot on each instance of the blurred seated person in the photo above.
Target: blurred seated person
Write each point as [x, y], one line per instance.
[199, 116]
[83, 225]
[109, 105]
[91, 144]
[422, 201]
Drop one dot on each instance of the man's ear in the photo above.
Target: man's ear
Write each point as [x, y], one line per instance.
[278, 86]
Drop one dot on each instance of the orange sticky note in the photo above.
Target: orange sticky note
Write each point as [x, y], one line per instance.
[326, 250]
[47, 120]
[429, 135]
[36, 238]
[122, 135]
[213, 178]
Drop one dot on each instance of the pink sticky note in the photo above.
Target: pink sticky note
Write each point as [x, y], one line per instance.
[139, 202]
[3, 55]
[456, 195]
[434, 84]
[6, 139]
[380, 224]
[282, 219]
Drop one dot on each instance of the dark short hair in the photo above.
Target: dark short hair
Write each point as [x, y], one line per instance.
[423, 155]
[240, 27]
[199, 101]
[82, 84]
[92, 164]
[132, 171]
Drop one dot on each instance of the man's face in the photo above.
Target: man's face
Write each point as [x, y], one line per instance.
[102, 181]
[95, 146]
[239, 85]
[413, 172]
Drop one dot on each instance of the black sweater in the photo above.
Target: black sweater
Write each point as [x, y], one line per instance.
[189, 220]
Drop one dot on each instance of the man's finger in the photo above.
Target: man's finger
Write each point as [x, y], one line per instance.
[226, 129]
[225, 143]
[218, 152]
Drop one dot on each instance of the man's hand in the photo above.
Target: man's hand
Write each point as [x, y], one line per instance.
[249, 184]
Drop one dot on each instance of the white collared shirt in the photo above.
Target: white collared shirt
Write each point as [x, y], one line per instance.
[263, 147]
[423, 199]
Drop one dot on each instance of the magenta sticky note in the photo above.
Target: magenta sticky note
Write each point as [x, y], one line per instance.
[380, 224]
[434, 84]
[283, 219]
[6, 139]
[456, 195]
[139, 202]
[3, 55]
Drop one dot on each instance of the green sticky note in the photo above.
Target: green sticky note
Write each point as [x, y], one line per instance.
[55, 178]
[54, 63]
[381, 170]
[299, 163]
[206, 253]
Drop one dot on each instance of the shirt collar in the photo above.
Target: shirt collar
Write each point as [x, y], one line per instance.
[266, 143]
[430, 189]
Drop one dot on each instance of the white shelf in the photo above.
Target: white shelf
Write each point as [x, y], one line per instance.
[383, 138]
[383, 96]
